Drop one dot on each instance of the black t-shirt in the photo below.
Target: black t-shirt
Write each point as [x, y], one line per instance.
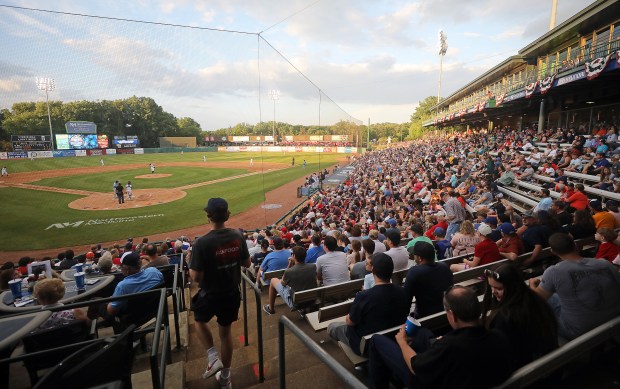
[470, 357]
[375, 309]
[427, 283]
[259, 257]
[535, 235]
[219, 255]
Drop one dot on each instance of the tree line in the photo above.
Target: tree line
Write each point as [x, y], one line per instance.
[143, 117]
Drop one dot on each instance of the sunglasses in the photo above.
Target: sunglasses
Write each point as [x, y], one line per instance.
[491, 273]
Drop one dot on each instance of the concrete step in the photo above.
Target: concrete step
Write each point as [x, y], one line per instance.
[174, 379]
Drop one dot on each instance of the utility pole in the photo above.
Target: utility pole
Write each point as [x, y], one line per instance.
[443, 48]
[554, 9]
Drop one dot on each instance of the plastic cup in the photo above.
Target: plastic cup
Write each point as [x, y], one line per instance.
[411, 326]
[16, 288]
[79, 268]
[79, 280]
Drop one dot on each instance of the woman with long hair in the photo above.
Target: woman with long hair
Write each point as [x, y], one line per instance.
[583, 225]
[511, 307]
[464, 241]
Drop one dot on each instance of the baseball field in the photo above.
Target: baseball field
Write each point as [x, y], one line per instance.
[52, 204]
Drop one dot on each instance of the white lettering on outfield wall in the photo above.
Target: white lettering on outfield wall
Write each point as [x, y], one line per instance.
[94, 222]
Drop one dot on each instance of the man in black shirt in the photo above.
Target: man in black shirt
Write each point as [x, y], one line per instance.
[467, 357]
[216, 261]
[427, 281]
[375, 309]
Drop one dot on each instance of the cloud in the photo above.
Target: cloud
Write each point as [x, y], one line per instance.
[9, 85]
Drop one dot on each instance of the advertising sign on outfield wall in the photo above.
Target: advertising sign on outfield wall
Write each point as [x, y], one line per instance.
[94, 152]
[64, 153]
[17, 154]
[80, 153]
[110, 151]
[232, 149]
[3, 155]
[40, 154]
[138, 151]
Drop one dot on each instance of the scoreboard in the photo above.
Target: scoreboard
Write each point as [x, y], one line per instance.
[31, 142]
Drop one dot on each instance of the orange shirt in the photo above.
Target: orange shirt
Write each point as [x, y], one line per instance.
[604, 220]
[578, 200]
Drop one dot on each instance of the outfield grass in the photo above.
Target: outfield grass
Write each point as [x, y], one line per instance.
[26, 215]
[179, 176]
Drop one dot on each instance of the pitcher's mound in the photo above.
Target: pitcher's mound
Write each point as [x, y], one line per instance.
[154, 175]
[140, 198]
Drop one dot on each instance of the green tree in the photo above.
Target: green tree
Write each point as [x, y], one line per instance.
[422, 113]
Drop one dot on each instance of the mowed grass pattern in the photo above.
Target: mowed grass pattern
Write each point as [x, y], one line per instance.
[26, 215]
[102, 182]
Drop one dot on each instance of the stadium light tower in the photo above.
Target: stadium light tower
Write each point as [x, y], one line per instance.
[274, 94]
[48, 85]
[443, 47]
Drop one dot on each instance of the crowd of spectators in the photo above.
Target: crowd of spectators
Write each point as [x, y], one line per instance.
[441, 194]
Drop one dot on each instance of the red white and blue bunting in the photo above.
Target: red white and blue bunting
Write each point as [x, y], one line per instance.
[545, 84]
[481, 105]
[500, 99]
[530, 88]
[596, 67]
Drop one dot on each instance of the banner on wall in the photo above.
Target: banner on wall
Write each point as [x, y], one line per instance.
[80, 153]
[94, 152]
[138, 151]
[16, 154]
[3, 155]
[124, 151]
[110, 151]
[240, 138]
[40, 154]
[64, 153]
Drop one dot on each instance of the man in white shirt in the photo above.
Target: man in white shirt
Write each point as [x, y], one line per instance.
[379, 246]
[399, 254]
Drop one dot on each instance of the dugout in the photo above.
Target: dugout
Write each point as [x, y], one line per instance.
[177, 141]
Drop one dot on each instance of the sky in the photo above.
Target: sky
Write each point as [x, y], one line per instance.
[329, 60]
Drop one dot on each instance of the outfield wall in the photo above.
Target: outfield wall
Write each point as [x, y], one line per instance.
[210, 149]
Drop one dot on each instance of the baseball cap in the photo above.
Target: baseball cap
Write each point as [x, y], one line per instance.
[90, 255]
[529, 214]
[506, 228]
[392, 222]
[131, 259]
[491, 220]
[596, 204]
[216, 205]
[439, 232]
[484, 229]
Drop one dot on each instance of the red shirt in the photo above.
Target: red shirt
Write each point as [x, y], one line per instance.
[430, 231]
[608, 251]
[578, 200]
[487, 251]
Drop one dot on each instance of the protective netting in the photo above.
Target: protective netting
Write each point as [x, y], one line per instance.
[219, 78]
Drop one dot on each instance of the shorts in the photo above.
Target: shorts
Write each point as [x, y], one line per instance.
[285, 293]
[224, 306]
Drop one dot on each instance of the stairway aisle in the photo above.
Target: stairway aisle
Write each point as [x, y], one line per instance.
[303, 369]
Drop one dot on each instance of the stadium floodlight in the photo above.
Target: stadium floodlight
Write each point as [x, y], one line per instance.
[48, 85]
[274, 94]
[443, 48]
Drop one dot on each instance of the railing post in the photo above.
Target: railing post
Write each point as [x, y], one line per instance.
[281, 355]
[259, 335]
[245, 311]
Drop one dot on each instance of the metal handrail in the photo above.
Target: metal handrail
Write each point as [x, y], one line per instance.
[259, 321]
[157, 373]
[344, 374]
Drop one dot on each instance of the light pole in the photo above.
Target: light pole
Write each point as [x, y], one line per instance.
[274, 94]
[443, 47]
[48, 85]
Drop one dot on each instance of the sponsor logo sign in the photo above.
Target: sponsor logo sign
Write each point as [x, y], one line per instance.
[40, 154]
[98, 222]
[79, 127]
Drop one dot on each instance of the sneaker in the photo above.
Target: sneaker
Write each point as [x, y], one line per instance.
[212, 368]
[224, 383]
[268, 310]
